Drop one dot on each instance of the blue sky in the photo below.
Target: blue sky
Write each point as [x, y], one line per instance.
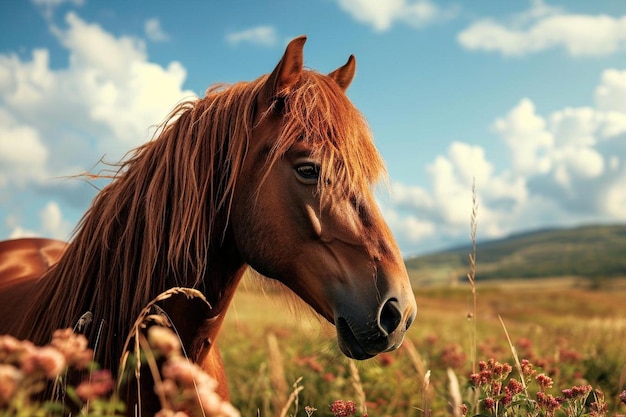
[527, 98]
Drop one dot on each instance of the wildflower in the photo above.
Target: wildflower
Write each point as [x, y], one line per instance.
[386, 359]
[599, 407]
[569, 356]
[188, 388]
[544, 381]
[10, 346]
[329, 377]
[453, 356]
[431, 339]
[514, 386]
[496, 387]
[99, 384]
[187, 374]
[341, 408]
[527, 368]
[548, 402]
[464, 409]
[507, 398]
[622, 396]
[489, 403]
[46, 360]
[580, 391]
[73, 347]
[10, 378]
[163, 340]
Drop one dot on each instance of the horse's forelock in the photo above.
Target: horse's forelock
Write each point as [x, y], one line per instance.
[318, 112]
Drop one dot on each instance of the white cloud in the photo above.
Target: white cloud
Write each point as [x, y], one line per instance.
[22, 154]
[259, 35]
[611, 93]
[154, 32]
[381, 15]
[525, 134]
[59, 122]
[544, 27]
[52, 224]
[565, 168]
[108, 93]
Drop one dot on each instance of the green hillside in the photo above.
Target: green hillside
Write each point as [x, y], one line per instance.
[591, 252]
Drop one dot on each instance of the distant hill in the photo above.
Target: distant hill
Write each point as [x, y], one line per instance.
[591, 252]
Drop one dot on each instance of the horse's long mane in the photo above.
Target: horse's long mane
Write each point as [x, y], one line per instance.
[158, 222]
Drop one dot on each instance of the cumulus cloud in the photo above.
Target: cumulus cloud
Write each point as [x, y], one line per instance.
[61, 122]
[23, 156]
[52, 224]
[381, 15]
[259, 35]
[567, 167]
[154, 32]
[544, 27]
[611, 94]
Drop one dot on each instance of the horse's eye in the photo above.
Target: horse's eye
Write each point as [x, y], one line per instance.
[308, 173]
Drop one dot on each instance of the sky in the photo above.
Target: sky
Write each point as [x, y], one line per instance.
[524, 99]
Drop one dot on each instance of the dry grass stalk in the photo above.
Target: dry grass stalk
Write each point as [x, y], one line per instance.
[454, 394]
[277, 373]
[414, 357]
[293, 398]
[471, 276]
[426, 411]
[358, 386]
[518, 365]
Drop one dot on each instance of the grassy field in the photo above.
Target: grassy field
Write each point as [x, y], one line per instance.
[572, 334]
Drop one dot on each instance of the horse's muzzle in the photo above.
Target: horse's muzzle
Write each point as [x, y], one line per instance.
[363, 339]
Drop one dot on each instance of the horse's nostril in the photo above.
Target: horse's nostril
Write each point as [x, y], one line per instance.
[390, 316]
[409, 321]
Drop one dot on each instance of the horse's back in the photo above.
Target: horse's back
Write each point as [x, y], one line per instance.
[22, 262]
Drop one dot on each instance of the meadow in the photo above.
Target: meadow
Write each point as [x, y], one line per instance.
[553, 347]
[274, 347]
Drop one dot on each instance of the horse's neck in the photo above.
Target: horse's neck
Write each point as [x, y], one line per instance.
[198, 322]
[67, 292]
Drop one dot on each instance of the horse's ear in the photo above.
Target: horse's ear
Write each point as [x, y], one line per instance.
[344, 75]
[287, 72]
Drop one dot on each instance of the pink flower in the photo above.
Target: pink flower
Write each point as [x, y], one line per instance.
[548, 402]
[514, 386]
[46, 360]
[163, 340]
[99, 384]
[342, 408]
[73, 346]
[580, 391]
[489, 403]
[10, 378]
[544, 381]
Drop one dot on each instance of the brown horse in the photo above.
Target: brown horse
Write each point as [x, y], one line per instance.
[275, 174]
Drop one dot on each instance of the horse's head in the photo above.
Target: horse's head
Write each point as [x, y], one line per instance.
[304, 212]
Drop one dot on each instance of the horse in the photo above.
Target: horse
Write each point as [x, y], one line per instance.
[275, 174]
